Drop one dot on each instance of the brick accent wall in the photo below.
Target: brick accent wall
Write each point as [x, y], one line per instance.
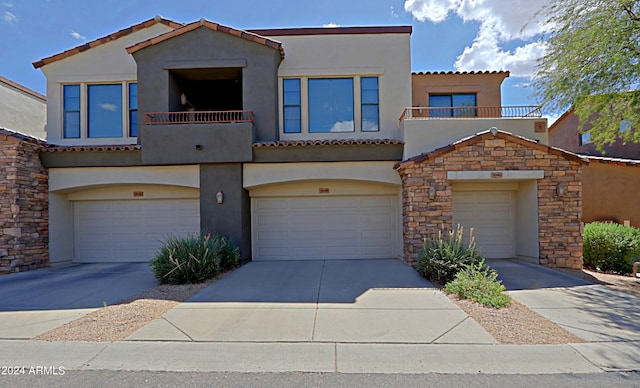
[559, 226]
[24, 237]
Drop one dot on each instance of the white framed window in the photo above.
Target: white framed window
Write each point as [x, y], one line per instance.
[585, 138]
[321, 105]
[99, 110]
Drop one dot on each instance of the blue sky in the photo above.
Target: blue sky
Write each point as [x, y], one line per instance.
[447, 34]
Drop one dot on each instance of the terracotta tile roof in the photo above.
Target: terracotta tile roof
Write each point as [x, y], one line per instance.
[22, 88]
[105, 39]
[6, 134]
[250, 36]
[461, 72]
[485, 135]
[333, 31]
[311, 143]
[58, 148]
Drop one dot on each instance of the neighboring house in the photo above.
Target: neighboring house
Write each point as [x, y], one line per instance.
[23, 203]
[296, 142]
[22, 109]
[611, 181]
[565, 133]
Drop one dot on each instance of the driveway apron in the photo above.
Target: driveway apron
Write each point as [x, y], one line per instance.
[360, 301]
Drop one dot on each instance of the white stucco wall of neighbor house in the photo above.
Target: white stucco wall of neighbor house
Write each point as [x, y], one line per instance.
[22, 110]
[386, 56]
[106, 63]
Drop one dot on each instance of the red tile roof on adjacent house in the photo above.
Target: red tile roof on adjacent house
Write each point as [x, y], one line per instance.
[309, 143]
[105, 39]
[333, 31]
[23, 89]
[488, 135]
[6, 134]
[252, 37]
[461, 72]
[58, 148]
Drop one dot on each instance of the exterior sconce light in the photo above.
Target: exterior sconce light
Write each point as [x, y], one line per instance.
[561, 189]
[219, 197]
[494, 131]
[432, 192]
[199, 147]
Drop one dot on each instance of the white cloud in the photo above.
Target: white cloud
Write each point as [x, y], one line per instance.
[109, 107]
[501, 21]
[394, 14]
[9, 17]
[330, 25]
[77, 35]
[342, 126]
[8, 5]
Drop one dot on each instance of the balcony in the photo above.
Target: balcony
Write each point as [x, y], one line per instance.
[470, 112]
[194, 137]
[425, 129]
[199, 117]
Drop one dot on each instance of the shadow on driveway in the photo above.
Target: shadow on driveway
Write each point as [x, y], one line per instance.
[330, 281]
[73, 286]
[520, 275]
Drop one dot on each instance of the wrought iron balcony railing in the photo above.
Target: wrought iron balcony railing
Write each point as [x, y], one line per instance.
[199, 117]
[470, 112]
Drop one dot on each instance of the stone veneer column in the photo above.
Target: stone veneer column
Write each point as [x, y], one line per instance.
[559, 218]
[24, 192]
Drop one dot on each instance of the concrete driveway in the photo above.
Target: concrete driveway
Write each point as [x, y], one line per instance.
[34, 302]
[362, 301]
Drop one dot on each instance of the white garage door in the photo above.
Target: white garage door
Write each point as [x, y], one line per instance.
[492, 215]
[311, 228]
[129, 230]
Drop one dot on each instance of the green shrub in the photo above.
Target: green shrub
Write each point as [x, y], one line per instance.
[194, 258]
[441, 259]
[610, 247]
[479, 283]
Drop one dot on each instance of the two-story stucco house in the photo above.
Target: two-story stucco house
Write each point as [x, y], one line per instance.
[305, 143]
[21, 109]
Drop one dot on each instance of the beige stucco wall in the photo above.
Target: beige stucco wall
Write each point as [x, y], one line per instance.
[262, 174]
[68, 184]
[425, 135]
[486, 87]
[22, 112]
[108, 62]
[527, 221]
[387, 56]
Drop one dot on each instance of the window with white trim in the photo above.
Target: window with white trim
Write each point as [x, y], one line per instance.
[330, 104]
[99, 110]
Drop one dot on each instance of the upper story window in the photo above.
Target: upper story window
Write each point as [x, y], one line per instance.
[292, 105]
[71, 114]
[453, 105]
[99, 110]
[369, 107]
[329, 105]
[585, 138]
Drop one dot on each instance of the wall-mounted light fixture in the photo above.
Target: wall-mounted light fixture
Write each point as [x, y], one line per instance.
[432, 192]
[561, 189]
[199, 147]
[219, 197]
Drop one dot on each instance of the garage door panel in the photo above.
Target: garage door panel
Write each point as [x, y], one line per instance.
[491, 215]
[130, 230]
[338, 227]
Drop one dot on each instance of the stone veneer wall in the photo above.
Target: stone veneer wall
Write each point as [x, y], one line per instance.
[559, 226]
[24, 217]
